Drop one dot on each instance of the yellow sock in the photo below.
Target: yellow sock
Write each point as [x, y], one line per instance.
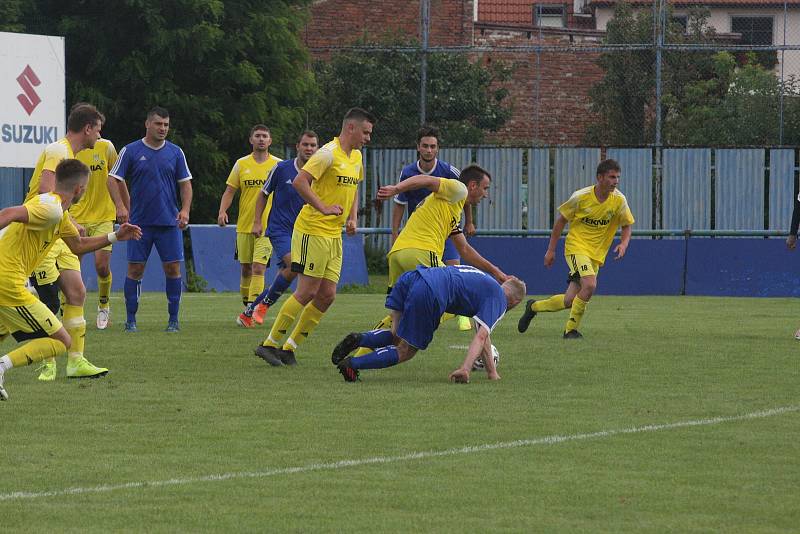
[256, 287]
[308, 321]
[383, 324]
[244, 288]
[575, 314]
[554, 303]
[104, 290]
[36, 351]
[75, 325]
[283, 321]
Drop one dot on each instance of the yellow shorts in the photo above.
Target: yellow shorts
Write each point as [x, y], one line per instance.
[252, 249]
[59, 258]
[101, 228]
[32, 318]
[317, 256]
[407, 259]
[580, 265]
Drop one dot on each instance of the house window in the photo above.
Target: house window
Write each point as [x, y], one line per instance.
[754, 30]
[550, 16]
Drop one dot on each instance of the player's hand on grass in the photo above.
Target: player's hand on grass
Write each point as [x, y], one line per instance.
[791, 242]
[493, 375]
[549, 257]
[183, 219]
[334, 209]
[222, 218]
[387, 191]
[460, 376]
[620, 251]
[129, 231]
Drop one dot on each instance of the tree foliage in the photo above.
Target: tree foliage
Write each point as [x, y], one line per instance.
[218, 67]
[464, 98]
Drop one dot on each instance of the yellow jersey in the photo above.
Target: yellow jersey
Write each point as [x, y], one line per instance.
[434, 219]
[592, 224]
[248, 177]
[48, 160]
[96, 205]
[24, 245]
[336, 178]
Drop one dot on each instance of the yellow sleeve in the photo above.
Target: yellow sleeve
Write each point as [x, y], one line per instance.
[53, 155]
[319, 163]
[233, 177]
[111, 155]
[453, 191]
[568, 208]
[44, 211]
[625, 215]
[67, 228]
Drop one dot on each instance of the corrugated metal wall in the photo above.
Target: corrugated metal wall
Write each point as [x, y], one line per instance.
[739, 189]
[781, 188]
[503, 208]
[636, 182]
[686, 188]
[539, 212]
[575, 168]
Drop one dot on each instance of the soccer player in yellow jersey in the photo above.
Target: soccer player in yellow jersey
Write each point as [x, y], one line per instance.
[83, 131]
[97, 212]
[436, 219]
[593, 213]
[248, 176]
[27, 233]
[328, 183]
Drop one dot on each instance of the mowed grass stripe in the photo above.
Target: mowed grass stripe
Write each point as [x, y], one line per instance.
[423, 455]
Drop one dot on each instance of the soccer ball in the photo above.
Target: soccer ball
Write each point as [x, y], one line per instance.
[478, 365]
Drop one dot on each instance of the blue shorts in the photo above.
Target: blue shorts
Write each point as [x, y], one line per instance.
[167, 239]
[450, 252]
[421, 311]
[281, 246]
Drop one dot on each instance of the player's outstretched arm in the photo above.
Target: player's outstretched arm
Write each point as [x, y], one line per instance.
[471, 256]
[13, 214]
[419, 181]
[81, 245]
[478, 346]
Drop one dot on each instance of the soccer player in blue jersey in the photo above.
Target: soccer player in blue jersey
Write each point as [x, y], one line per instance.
[417, 302]
[429, 164]
[286, 204]
[155, 170]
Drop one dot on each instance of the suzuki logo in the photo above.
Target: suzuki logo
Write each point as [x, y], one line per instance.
[28, 80]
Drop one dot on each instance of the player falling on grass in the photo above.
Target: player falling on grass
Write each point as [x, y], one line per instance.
[328, 183]
[286, 204]
[248, 176]
[593, 213]
[27, 233]
[429, 164]
[422, 240]
[61, 265]
[416, 303]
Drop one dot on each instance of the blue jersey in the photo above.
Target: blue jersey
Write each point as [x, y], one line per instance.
[467, 291]
[441, 169]
[152, 176]
[287, 201]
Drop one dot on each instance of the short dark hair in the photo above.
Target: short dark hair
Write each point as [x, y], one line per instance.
[359, 114]
[70, 171]
[473, 173]
[427, 131]
[308, 133]
[82, 115]
[258, 127]
[607, 165]
[158, 110]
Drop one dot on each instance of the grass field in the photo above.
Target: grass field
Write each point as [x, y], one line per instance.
[673, 414]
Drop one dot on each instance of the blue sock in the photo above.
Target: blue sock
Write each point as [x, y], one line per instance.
[173, 297]
[279, 285]
[375, 339]
[132, 290]
[381, 358]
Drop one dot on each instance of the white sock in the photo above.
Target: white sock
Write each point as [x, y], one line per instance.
[5, 363]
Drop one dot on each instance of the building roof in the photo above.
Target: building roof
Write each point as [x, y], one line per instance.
[753, 4]
[512, 12]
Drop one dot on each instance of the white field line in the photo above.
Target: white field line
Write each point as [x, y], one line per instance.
[547, 440]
